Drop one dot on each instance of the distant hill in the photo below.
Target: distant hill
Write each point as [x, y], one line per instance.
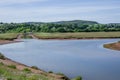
[79, 22]
[76, 22]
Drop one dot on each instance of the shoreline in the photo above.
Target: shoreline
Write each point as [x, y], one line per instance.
[76, 38]
[2, 42]
[82, 38]
[21, 66]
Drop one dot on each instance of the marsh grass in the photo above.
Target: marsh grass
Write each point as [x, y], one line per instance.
[80, 35]
[8, 36]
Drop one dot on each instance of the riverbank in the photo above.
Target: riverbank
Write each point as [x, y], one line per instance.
[2, 42]
[113, 46]
[34, 70]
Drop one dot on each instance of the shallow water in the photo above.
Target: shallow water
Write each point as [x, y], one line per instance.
[86, 58]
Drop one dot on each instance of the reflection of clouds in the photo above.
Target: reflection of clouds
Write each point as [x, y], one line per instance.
[13, 46]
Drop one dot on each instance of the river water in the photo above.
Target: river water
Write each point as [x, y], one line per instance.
[86, 58]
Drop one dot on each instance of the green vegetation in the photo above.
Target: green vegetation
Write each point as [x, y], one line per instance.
[12, 66]
[8, 36]
[27, 70]
[35, 67]
[8, 73]
[2, 56]
[80, 35]
[62, 26]
[50, 71]
[60, 74]
[78, 78]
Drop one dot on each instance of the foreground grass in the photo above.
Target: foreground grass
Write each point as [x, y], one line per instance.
[8, 36]
[11, 73]
[80, 35]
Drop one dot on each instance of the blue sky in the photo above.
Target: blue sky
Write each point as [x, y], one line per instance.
[102, 11]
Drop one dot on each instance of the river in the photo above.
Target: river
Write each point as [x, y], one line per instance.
[86, 58]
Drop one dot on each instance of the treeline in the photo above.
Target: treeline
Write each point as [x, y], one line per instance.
[68, 26]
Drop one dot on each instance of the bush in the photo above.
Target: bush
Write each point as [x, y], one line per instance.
[27, 70]
[35, 67]
[12, 66]
[78, 78]
[9, 78]
[50, 71]
[2, 56]
[60, 74]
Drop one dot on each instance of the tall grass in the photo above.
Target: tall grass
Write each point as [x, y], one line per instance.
[80, 35]
[8, 36]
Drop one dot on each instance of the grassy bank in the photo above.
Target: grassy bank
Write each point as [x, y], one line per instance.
[11, 70]
[8, 36]
[113, 46]
[80, 35]
[11, 73]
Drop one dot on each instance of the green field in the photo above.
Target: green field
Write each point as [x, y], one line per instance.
[80, 35]
[8, 36]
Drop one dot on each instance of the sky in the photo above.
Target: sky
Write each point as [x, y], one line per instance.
[102, 11]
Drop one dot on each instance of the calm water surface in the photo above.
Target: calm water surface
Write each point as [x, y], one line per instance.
[86, 58]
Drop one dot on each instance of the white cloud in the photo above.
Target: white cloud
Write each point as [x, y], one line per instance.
[52, 13]
[2, 2]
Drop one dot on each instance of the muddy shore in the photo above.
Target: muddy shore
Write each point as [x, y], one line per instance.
[113, 46]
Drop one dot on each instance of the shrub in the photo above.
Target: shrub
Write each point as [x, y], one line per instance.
[35, 67]
[50, 71]
[27, 70]
[77, 78]
[12, 66]
[9, 78]
[2, 56]
[60, 74]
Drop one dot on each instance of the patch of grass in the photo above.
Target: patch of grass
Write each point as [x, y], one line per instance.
[27, 70]
[8, 36]
[77, 78]
[12, 66]
[80, 35]
[7, 73]
[60, 74]
[1, 63]
[50, 71]
[35, 67]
